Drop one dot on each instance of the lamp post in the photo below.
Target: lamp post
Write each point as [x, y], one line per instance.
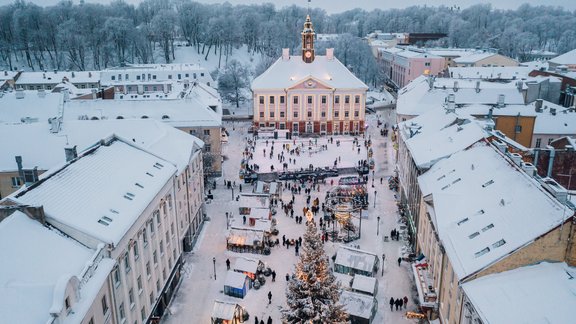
[569, 175]
[214, 261]
[383, 257]
[378, 228]
[232, 193]
[375, 192]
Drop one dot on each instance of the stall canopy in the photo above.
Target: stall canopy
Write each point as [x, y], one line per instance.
[245, 237]
[224, 310]
[349, 260]
[246, 265]
[361, 308]
[236, 284]
[268, 188]
[254, 201]
[365, 285]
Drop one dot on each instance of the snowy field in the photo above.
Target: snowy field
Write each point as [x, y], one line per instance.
[199, 288]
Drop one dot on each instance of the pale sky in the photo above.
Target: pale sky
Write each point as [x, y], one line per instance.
[333, 6]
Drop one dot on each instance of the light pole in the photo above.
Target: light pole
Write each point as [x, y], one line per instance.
[378, 228]
[232, 193]
[214, 261]
[383, 257]
[569, 175]
[375, 192]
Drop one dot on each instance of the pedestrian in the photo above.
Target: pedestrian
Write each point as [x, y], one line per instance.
[399, 260]
[273, 275]
[283, 240]
[397, 303]
[228, 264]
[287, 277]
[400, 302]
[300, 240]
[261, 321]
[296, 249]
[269, 320]
[269, 297]
[405, 302]
[392, 234]
[256, 320]
[240, 185]
[380, 183]
[391, 305]
[244, 219]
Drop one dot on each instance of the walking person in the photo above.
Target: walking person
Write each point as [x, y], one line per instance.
[405, 302]
[399, 260]
[287, 277]
[269, 297]
[269, 320]
[228, 264]
[256, 320]
[296, 249]
[397, 303]
[391, 303]
[274, 276]
[400, 302]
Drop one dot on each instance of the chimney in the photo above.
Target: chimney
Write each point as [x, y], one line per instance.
[455, 86]
[431, 80]
[285, 54]
[550, 160]
[502, 147]
[519, 85]
[89, 74]
[94, 93]
[477, 86]
[553, 111]
[73, 75]
[19, 163]
[501, 100]
[330, 54]
[70, 153]
[538, 105]
[20, 93]
[516, 158]
[451, 104]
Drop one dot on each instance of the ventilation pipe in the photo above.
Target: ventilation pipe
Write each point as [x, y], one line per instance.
[550, 160]
[70, 153]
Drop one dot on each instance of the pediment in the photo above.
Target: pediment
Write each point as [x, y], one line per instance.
[311, 83]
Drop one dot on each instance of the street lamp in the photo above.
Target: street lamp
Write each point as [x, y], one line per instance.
[378, 228]
[383, 257]
[569, 175]
[214, 261]
[232, 193]
[375, 192]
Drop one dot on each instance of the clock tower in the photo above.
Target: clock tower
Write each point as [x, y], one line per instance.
[308, 41]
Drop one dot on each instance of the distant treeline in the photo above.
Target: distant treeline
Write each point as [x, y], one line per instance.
[96, 36]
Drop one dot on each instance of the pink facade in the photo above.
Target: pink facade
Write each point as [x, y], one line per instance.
[403, 66]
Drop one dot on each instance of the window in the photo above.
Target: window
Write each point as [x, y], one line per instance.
[139, 284]
[427, 64]
[144, 237]
[202, 74]
[346, 114]
[550, 141]
[261, 99]
[179, 76]
[323, 99]
[172, 228]
[116, 276]
[161, 247]
[143, 313]
[272, 99]
[281, 114]
[309, 113]
[157, 214]
[158, 285]
[151, 224]
[261, 114]
[518, 129]
[207, 147]
[271, 114]
[356, 113]
[127, 262]
[187, 75]
[126, 76]
[295, 114]
[295, 100]
[337, 99]
[281, 99]
[323, 114]
[91, 320]
[206, 132]
[169, 76]
[104, 305]
[309, 100]
[113, 78]
[151, 299]
[122, 312]
[155, 257]
[346, 99]
[16, 182]
[148, 272]
[154, 78]
[538, 142]
[131, 297]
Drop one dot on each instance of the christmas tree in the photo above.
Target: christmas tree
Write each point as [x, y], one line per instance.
[313, 293]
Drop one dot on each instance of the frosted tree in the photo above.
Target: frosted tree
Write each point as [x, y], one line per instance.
[233, 81]
[312, 295]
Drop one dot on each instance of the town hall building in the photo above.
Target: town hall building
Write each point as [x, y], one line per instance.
[309, 93]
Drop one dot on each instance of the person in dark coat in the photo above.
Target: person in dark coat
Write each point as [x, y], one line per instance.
[269, 320]
[273, 275]
[269, 297]
[391, 305]
[256, 320]
[400, 302]
[287, 277]
[405, 302]
[261, 321]
[397, 303]
[399, 260]
[228, 264]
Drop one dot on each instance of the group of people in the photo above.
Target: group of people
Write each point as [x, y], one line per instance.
[395, 235]
[398, 302]
[262, 321]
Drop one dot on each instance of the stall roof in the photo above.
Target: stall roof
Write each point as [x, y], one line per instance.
[356, 259]
[364, 283]
[254, 201]
[246, 265]
[268, 188]
[356, 304]
[235, 279]
[223, 310]
[244, 237]
[263, 225]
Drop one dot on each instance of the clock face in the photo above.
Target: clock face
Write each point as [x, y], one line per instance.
[308, 54]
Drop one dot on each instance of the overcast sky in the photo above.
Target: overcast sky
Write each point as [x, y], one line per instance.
[332, 6]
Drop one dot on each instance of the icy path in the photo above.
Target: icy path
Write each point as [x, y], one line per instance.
[194, 300]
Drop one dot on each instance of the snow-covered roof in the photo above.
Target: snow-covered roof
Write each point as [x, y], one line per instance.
[244, 237]
[268, 188]
[473, 58]
[254, 201]
[7, 75]
[416, 54]
[563, 121]
[246, 265]
[451, 52]
[260, 224]
[490, 72]
[103, 192]
[566, 58]
[35, 106]
[356, 304]
[235, 279]
[541, 293]
[486, 207]
[449, 132]
[356, 259]
[287, 73]
[177, 113]
[41, 148]
[36, 262]
[51, 77]
[364, 283]
[223, 310]
[417, 98]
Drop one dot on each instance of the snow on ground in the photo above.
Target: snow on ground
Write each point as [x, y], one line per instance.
[195, 298]
[379, 98]
[189, 54]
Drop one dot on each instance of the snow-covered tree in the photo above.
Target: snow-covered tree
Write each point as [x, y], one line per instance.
[313, 293]
[233, 82]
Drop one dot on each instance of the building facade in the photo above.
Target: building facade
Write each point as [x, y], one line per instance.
[403, 66]
[309, 93]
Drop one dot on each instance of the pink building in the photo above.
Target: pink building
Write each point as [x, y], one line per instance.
[403, 66]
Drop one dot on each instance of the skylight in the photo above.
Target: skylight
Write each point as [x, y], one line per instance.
[103, 222]
[487, 183]
[487, 227]
[462, 221]
[139, 185]
[482, 252]
[473, 235]
[499, 243]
